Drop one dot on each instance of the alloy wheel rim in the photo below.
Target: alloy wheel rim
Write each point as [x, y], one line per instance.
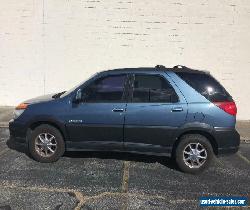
[45, 144]
[194, 155]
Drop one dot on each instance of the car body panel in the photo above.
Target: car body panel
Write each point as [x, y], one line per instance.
[96, 123]
[150, 128]
[199, 105]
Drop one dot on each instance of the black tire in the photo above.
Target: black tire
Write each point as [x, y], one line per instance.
[58, 140]
[188, 165]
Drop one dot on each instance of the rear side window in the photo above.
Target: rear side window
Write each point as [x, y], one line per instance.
[154, 89]
[206, 85]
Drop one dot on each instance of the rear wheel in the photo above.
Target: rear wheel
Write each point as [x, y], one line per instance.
[194, 153]
[46, 144]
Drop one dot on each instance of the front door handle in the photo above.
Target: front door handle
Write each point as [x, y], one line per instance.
[117, 110]
[177, 109]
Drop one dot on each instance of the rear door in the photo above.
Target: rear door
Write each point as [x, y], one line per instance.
[155, 110]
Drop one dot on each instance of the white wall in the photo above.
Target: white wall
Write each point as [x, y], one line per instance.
[51, 45]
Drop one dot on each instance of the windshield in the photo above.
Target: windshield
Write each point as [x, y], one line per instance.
[75, 87]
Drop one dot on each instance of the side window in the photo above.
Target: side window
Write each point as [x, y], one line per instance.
[106, 89]
[206, 85]
[154, 89]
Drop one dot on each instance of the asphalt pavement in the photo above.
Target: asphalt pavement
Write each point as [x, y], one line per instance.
[94, 180]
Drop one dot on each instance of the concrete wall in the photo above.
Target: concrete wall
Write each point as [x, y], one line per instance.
[51, 45]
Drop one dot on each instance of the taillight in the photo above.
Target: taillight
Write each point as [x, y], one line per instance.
[228, 107]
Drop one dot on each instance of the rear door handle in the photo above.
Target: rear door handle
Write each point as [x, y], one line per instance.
[177, 109]
[118, 110]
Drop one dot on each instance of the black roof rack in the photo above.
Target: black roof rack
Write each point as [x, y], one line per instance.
[179, 67]
[176, 69]
[160, 67]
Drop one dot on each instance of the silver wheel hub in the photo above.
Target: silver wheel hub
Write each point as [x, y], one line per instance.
[194, 155]
[45, 144]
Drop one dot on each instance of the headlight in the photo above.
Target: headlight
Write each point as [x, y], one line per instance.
[17, 113]
[19, 110]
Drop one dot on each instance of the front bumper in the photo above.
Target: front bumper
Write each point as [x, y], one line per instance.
[227, 139]
[17, 131]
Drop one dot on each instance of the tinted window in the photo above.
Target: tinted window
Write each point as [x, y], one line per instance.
[153, 88]
[107, 89]
[206, 85]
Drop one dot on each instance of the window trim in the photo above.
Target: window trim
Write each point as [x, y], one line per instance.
[131, 89]
[124, 93]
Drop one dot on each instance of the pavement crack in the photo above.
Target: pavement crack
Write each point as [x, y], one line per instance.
[83, 199]
[243, 157]
[125, 178]
[79, 196]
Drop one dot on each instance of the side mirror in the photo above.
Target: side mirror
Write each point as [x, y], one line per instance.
[78, 96]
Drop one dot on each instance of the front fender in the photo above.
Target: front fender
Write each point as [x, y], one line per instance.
[47, 119]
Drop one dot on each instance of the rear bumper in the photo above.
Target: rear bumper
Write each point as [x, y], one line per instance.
[227, 139]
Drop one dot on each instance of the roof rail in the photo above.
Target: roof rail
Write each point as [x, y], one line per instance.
[179, 67]
[160, 67]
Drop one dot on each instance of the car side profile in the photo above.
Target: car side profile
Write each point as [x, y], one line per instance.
[177, 112]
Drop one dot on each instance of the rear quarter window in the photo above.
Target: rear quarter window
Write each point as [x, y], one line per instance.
[206, 85]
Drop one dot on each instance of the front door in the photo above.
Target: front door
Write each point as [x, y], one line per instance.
[154, 113]
[97, 121]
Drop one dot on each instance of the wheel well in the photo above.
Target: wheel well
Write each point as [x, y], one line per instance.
[36, 124]
[210, 138]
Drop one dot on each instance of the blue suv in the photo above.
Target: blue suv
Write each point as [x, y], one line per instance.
[177, 112]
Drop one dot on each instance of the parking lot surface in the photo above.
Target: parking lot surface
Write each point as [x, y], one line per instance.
[94, 180]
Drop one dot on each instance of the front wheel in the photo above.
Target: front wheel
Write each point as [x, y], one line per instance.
[46, 144]
[193, 153]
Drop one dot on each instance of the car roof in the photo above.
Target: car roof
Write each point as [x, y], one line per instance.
[158, 68]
